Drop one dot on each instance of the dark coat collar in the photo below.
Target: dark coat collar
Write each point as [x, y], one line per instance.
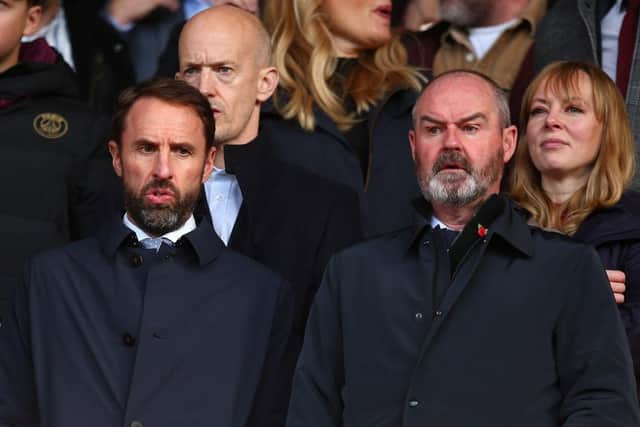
[499, 215]
[618, 222]
[203, 240]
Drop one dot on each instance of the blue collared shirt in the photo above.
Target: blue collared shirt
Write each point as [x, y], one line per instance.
[224, 199]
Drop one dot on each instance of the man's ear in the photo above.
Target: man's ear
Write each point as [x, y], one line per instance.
[208, 164]
[116, 160]
[268, 79]
[509, 142]
[32, 24]
[412, 142]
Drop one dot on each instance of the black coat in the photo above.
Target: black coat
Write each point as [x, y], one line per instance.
[53, 162]
[615, 233]
[290, 220]
[526, 334]
[390, 185]
[105, 333]
[100, 55]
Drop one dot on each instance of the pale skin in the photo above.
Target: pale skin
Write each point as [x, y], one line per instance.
[16, 20]
[226, 67]
[458, 113]
[572, 122]
[164, 142]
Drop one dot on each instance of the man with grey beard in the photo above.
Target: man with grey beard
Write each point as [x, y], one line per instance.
[494, 37]
[153, 321]
[471, 317]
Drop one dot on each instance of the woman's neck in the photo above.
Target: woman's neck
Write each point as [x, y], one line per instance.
[560, 189]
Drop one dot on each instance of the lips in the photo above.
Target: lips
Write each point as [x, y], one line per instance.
[451, 161]
[159, 195]
[383, 11]
[552, 143]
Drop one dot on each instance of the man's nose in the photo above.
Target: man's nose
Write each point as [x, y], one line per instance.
[162, 166]
[452, 138]
[206, 84]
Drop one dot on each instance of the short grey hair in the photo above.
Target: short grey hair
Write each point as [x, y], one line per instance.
[501, 95]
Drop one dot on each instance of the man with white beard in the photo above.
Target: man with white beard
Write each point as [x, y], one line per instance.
[471, 316]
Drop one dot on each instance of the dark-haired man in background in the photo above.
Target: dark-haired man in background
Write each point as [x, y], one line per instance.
[152, 321]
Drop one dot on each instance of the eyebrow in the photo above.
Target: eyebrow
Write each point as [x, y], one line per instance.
[475, 116]
[566, 99]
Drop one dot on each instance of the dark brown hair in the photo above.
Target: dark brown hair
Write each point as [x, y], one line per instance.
[171, 91]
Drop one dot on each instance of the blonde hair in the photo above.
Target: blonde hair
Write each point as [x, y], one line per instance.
[304, 56]
[613, 168]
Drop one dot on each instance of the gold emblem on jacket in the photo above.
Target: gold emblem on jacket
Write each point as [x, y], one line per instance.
[50, 125]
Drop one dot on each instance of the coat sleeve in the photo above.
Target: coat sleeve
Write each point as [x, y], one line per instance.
[592, 354]
[269, 407]
[630, 310]
[93, 186]
[343, 228]
[319, 376]
[18, 405]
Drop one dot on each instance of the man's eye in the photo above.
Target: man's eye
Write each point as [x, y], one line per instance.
[433, 130]
[224, 69]
[146, 148]
[470, 128]
[182, 152]
[190, 71]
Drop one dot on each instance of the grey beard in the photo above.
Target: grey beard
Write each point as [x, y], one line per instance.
[462, 187]
[446, 189]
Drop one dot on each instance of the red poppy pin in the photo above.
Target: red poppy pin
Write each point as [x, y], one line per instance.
[482, 231]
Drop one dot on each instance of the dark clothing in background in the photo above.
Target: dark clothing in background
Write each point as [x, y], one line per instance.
[149, 38]
[53, 160]
[290, 220]
[615, 233]
[526, 333]
[169, 60]
[100, 55]
[389, 183]
[106, 333]
[571, 31]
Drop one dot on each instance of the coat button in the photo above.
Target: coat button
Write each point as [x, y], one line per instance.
[137, 260]
[438, 313]
[136, 424]
[413, 403]
[128, 340]
[166, 258]
[418, 316]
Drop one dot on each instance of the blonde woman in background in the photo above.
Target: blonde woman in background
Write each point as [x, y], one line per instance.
[572, 169]
[343, 109]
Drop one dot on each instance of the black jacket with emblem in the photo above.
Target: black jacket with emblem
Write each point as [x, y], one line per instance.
[53, 158]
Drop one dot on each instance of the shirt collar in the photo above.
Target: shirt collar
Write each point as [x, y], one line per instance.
[174, 235]
[532, 14]
[509, 224]
[436, 223]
